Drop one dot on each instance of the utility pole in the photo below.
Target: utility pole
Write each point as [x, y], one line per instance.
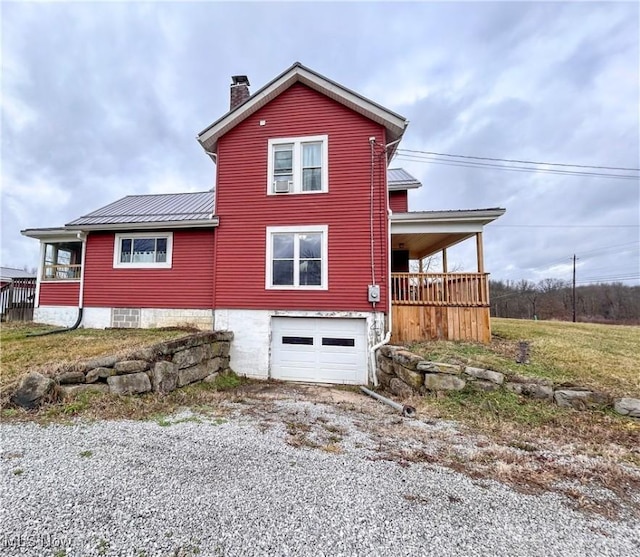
[573, 289]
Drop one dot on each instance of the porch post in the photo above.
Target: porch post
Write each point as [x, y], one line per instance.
[420, 265]
[444, 260]
[480, 252]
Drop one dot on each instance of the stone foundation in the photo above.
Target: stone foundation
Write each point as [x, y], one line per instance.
[406, 374]
[160, 368]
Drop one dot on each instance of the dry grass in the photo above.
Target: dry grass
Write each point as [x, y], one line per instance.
[19, 353]
[532, 445]
[601, 357]
[207, 399]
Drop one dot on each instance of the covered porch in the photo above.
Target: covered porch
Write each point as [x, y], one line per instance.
[438, 305]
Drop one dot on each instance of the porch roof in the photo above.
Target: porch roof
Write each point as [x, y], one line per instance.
[424, 233]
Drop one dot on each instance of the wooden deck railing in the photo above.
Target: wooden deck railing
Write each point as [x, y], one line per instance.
[61, 272]
[440, 289]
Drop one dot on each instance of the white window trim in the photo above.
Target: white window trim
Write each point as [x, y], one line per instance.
[322, 229]
[163, 265]
[297, 163]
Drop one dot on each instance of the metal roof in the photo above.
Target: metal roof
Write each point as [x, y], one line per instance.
[169, 207]
[11, 273]
[400, 179]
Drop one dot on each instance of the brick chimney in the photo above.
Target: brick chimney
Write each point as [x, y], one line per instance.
[239, 90]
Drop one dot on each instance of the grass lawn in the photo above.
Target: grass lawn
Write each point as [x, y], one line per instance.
[19, 353]
[602, 357]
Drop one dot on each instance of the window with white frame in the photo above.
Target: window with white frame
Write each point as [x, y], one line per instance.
[297, 257]
[143, 250]
[298, 165]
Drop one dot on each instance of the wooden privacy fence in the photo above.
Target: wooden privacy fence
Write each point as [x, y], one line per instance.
[17, 299]
[440, 289]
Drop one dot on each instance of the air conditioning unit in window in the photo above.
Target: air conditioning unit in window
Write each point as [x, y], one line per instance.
[282, 186]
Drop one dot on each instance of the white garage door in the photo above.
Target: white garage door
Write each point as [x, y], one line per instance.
[321, 350]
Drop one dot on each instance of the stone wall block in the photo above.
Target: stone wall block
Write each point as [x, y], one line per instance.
[164, 377]
[70, 377]
[389, 350]
[174, 346]
[221, 336]
[149, 354]
[486, 374]
[438, 367]
[33, 388]
[198, 372]
[192, 356]
[103, 361]
[130, 366]
[530, 380]
[384, 378]
[385, 365]
[221, 349]
[412, 378]
[538, 391]
[406, 359]
[580, 399]
[482, 385]
[400, 388]
[98, 373]
[514, 387]
[443, 382]
[131, 384]
[628, 407]
[68, 391]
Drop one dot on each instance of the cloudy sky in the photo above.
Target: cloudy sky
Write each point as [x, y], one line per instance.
[102, 100]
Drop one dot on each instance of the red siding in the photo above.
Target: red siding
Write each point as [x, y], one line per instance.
[398, 201]
[187, 285]
[246, 210]
[59, 293]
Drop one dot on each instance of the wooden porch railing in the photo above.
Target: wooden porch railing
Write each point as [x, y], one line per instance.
[61, 272]
[440, 289]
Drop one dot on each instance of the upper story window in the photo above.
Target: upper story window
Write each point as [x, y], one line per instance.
[143, 250]
[298, 165]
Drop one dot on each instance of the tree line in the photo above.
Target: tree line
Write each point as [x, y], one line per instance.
[553, 299]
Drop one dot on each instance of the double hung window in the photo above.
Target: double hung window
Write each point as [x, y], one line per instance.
[298, 165]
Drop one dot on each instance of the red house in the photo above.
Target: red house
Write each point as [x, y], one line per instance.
[303, 250]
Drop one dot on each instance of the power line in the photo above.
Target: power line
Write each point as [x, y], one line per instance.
[520, 161]
[566, 225]
[464, 164]
[583, 254]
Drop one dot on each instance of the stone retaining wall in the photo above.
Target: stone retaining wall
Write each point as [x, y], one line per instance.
[160, 368]
[406, 374]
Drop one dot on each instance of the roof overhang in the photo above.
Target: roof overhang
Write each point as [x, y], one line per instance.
[393, 123]
[51, 234]
[69, 232]
[426, 233]
[401, 186]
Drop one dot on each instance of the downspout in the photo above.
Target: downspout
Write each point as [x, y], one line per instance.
[81, 236]
[387, 336]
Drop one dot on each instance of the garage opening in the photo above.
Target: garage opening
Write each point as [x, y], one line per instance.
[319, 350]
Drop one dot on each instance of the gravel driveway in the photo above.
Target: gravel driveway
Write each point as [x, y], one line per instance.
[295, 474]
